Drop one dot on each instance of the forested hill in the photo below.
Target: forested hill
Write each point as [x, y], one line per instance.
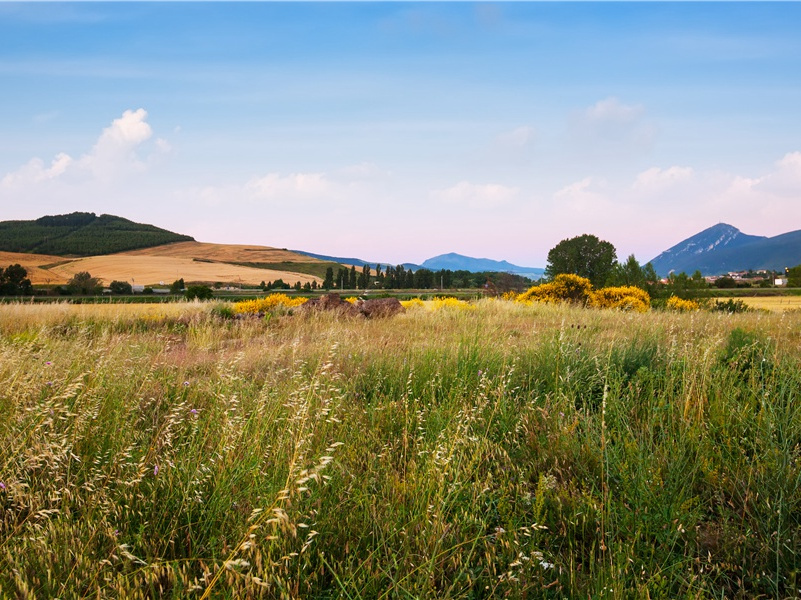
[82, 234]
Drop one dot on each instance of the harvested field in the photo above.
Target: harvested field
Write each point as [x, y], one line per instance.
[153, 270]
[33, 264]
[230, 253]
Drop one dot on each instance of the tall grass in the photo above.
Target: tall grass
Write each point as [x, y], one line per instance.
[507, 451]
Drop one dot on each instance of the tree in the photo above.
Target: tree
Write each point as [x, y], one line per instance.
[201, 292]
[352, 278]
[83, 283]
[364, 277]
[120, 287]
[585, 256]
[14, 281]
[793, 276]
[177, 286]
[328, 282]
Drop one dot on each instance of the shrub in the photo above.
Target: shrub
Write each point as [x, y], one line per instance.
[200, 292]
[223, 310]
[120, 287]
[266, 304]
[451, 303]
[413, 303]
[625, 297]
[681, 305]
[729, 306]
[563, 288]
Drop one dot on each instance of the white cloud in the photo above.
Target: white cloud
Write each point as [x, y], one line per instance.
[581, 197]
[612, 110]
[112, 156]
[34, 171]
[656, 179]
[476, 195]
[785, 179]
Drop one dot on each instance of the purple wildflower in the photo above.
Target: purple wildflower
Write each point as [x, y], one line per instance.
[48, 363]
[193, 411]
[186, 383]
[49, 383]
[156, 470]
[2, 486]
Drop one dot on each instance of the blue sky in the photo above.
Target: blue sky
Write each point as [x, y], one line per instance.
[398, 131]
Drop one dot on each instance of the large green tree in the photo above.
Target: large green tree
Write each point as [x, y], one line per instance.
[584, 255]
[14, 281]
[83, 283]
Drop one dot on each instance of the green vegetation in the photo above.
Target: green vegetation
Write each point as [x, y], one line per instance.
[14, 281]
[82, 234]
[516, 451]
[585, 256]
[199, 292]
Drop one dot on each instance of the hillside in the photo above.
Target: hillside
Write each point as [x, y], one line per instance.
[723, 248]
[81, 234]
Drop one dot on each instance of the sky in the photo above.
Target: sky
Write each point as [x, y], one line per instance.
[399, 131]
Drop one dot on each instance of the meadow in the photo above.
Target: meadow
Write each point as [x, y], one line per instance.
[498, 451]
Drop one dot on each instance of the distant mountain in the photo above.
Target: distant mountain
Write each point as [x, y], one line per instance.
[459, 262]
[358, 262]
[82, 234]
[452, 261]
[723, 248]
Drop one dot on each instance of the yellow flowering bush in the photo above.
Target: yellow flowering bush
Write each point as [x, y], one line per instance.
[351, 299]
[414, 303]
[680, 305]
[451, 303]
[266, 304]
[625, 297]
[563, 288]
[511, 295]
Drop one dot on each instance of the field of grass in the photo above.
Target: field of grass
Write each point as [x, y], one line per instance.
[506, 451]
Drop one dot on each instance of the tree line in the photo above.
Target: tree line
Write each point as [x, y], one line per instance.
[398, 277]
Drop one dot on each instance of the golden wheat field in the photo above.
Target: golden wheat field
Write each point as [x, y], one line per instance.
[772, 303]
[163, 270]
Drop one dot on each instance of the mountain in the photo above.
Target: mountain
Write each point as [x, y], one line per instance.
[723, 248]
[452, 261]
[459, 262]
[82, 234]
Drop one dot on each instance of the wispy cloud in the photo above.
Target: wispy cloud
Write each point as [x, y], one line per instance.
[476, 195]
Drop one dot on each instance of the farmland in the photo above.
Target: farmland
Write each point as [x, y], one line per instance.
[192, 261]
[505, 450]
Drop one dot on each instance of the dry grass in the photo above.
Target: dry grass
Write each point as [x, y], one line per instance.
[16, 317]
